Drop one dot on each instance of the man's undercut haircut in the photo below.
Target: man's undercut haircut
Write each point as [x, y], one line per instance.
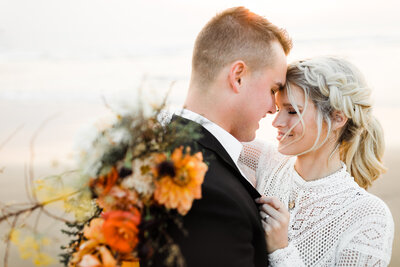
[235, 34]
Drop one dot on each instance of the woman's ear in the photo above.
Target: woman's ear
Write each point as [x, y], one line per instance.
[236, 74]
[338, 120]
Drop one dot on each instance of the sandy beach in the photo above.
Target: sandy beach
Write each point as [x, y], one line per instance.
[55, 153]
[387, 188]
[11, 188]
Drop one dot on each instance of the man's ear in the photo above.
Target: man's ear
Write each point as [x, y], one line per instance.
[338, 120]
[236, 73]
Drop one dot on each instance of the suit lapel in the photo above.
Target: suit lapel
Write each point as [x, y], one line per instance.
[209, 141]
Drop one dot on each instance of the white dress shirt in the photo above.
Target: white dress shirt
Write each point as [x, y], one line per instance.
[230, 143]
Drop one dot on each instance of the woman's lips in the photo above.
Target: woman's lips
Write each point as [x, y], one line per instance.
[281, 134]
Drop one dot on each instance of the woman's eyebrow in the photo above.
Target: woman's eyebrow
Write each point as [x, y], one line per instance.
[290, 105]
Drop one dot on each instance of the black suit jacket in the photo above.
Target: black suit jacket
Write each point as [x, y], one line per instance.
[224, 227]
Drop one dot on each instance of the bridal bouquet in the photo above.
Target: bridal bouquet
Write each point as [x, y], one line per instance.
[137, 180]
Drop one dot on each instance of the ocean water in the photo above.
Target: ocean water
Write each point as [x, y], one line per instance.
[77, 91]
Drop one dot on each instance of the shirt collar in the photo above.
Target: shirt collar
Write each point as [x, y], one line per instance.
[230, 143]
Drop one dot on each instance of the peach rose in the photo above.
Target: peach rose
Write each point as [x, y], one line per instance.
[120, 230]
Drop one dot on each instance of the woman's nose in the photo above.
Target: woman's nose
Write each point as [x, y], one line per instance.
[278, 121]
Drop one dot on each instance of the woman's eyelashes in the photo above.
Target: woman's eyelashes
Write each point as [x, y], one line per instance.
[289, 110]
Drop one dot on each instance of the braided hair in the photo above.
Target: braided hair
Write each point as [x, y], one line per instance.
[334, 84]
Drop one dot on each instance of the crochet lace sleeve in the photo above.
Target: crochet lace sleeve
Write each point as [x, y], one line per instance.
[249, 158]
[286, 257]
[259, 160]
[370, 242]
[253, 158]
[251, 154]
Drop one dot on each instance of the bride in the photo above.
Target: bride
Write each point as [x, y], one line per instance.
[316, 211]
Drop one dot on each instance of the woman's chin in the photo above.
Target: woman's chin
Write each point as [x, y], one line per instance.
[282, 150]
[287, 151]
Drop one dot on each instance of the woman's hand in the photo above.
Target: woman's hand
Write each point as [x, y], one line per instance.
[275, 220]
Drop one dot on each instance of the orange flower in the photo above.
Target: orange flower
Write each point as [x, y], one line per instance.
[93, 260]
[94, 230]
[103, 184]
[107, 258]
[179, 180]
[81, 257]
[120, 229]
[130, 264]
[89, 261]
[119, 199]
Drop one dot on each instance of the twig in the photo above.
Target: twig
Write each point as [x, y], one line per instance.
[25, 218]
[32, 154]
[39, 205]
[37, 220]
[139, 97]
[60, 175]
[15, 204]
[105, 102]
[164, 103]
[8, 241]
[11, 136]
[54, 216]
[27, 189]
[19, 212]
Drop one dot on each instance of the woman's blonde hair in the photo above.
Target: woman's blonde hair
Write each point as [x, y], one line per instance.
[334, 84]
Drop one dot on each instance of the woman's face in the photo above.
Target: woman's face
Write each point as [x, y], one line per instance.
[299, 139]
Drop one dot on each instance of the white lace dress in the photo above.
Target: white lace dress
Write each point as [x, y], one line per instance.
[333, 221]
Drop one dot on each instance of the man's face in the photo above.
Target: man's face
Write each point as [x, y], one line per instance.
[257, 97]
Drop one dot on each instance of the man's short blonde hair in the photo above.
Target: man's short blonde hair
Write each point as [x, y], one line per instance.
[235, 34]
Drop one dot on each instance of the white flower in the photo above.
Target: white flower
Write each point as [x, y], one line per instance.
[141, 181]
[119, 135]
[126, 103]
[85, 137]
[165, 116]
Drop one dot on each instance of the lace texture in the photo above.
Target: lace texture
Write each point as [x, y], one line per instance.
[333, 221]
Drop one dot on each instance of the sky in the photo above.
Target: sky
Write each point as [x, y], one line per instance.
[103, 28]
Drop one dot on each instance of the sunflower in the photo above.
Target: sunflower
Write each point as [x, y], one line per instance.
[179, 179]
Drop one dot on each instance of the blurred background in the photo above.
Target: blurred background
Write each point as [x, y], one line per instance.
[61, 61]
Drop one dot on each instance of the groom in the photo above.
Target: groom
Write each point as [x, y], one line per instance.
[239, 61]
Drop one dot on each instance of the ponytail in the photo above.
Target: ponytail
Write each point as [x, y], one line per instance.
[362, 151]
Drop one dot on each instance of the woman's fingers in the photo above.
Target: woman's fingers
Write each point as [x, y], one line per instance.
[271, 211]
[271, 225]
[267, 228]
[275, 221]
[273, 201]
[264, 216]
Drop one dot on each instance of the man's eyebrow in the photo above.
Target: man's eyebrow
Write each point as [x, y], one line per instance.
[279, 85]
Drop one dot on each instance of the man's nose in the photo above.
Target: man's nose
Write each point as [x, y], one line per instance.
[272, 111]
[272, 108]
